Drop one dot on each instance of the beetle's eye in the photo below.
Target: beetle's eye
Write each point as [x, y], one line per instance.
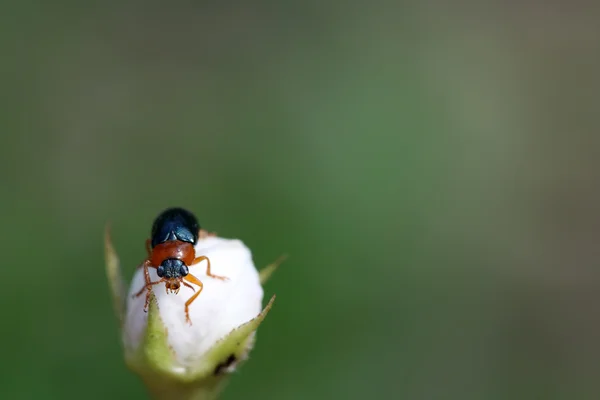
[160, 271]
[183, 270]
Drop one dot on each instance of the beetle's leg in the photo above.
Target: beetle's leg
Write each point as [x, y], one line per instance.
[145, 265]
[147, 287]
[191, 278]
[202, 258]
[188, 285]
[147, 284]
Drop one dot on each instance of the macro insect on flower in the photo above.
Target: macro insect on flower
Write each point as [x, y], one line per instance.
[171, 252]
[175, 359]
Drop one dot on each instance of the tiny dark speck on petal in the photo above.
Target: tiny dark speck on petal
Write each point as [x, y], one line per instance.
[230, 360]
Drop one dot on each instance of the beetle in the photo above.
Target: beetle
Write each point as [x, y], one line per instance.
[171, 252]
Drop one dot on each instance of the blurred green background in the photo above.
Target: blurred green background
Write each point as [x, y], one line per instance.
[431, 169]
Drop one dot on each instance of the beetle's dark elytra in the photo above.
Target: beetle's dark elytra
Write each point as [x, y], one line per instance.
[175, 224]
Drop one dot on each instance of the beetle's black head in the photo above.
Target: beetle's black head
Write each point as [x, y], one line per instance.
[172, 270]
[175, 224]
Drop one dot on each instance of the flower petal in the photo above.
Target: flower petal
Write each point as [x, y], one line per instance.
[233, 349]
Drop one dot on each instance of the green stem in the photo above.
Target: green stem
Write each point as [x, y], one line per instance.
[206, 390]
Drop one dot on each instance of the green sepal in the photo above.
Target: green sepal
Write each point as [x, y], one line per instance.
[116, 282]
[267, 271]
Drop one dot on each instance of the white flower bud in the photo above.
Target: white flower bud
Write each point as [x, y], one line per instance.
[221, 306]
[173, 356]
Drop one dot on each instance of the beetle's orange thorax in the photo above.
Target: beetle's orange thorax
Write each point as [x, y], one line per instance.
[173, 249]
